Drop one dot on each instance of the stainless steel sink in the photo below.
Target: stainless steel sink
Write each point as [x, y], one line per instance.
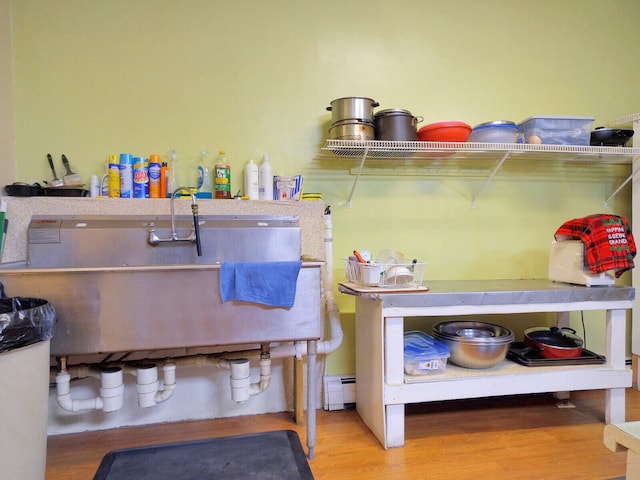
[114, 292]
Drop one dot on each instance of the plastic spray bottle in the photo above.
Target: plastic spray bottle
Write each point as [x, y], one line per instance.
[172, 178]
[94, 187]
[204, 176]
[251, 180]
[265, 180]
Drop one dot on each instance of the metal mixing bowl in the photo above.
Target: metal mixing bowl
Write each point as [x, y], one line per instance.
[474, 344]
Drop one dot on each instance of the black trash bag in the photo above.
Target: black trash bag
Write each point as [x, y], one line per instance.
[24, 321]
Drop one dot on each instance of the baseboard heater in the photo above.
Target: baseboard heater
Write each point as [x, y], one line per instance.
[339, 392]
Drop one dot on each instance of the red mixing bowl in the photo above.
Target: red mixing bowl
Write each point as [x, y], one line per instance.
[444, 132]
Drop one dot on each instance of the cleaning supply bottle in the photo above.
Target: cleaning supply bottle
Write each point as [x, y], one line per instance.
[265, 180]
[172, 178]
[94, 187]
[154, 176]
[251, 180]
[164, 178]
[114, 176]
[204, 176]
[222, 178]
[126, 175]
[140, 177]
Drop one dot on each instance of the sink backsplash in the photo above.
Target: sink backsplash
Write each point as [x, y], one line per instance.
[21, 210]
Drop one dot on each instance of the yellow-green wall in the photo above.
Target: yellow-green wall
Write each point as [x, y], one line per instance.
[255, 77]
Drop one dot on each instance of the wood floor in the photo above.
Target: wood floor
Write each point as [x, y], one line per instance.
[525, 437]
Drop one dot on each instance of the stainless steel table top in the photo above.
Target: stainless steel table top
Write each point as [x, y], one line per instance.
[443, 293]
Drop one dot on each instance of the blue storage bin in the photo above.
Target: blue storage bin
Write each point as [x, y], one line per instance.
[423, 354]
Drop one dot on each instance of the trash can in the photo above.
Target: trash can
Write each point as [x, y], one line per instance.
[26, 327]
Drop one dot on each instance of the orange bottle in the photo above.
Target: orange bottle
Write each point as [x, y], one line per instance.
[163, 180]
[154, 176]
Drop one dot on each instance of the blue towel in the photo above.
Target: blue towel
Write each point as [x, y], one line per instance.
[268, 283]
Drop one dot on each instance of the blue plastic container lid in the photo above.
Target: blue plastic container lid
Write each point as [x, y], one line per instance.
[497, 123]
[419, 345]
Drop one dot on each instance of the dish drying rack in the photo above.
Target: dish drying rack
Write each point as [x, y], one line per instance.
[384, 275]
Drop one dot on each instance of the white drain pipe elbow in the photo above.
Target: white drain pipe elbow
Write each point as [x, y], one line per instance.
[63, 396]
[265, 377]
[240, 378]
[148, 385]
[111, 392]
[169, 377]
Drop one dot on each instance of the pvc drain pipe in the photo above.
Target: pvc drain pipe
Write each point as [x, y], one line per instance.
[240, 379]
[148, 385]
[111, 391]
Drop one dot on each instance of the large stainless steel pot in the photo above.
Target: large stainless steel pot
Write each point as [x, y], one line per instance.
[396, 125]
[352, 108]
[352, 130]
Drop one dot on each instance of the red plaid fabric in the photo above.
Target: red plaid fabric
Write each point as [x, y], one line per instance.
[608, 241]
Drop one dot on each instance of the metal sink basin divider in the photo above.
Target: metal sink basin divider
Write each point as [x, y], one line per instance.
[114, 292]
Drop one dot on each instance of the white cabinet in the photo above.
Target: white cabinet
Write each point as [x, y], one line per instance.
[382, 389]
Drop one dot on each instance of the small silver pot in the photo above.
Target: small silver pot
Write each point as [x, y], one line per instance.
[352, 108]
[396, 125]
[352, 130]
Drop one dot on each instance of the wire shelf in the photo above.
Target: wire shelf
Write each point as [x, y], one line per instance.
[425, 150]
[628, 120]
[467, 157]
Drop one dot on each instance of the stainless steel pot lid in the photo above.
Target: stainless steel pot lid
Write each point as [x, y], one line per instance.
[353, 98]
[393, 111]
[351, 121]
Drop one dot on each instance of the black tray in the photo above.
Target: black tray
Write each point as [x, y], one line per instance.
[535, 360]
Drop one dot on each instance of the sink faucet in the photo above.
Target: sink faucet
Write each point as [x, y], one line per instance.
[193, 237]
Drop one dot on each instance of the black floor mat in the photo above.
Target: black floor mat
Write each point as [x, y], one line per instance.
[271, 455]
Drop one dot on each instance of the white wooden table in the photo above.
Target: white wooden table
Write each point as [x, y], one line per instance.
[383, 390]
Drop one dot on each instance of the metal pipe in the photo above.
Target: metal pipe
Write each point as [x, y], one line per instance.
[196, 222]
[193, 237]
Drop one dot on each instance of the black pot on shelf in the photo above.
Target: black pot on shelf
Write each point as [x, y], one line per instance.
[610, 137]
[21, 189]
[396, 125]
